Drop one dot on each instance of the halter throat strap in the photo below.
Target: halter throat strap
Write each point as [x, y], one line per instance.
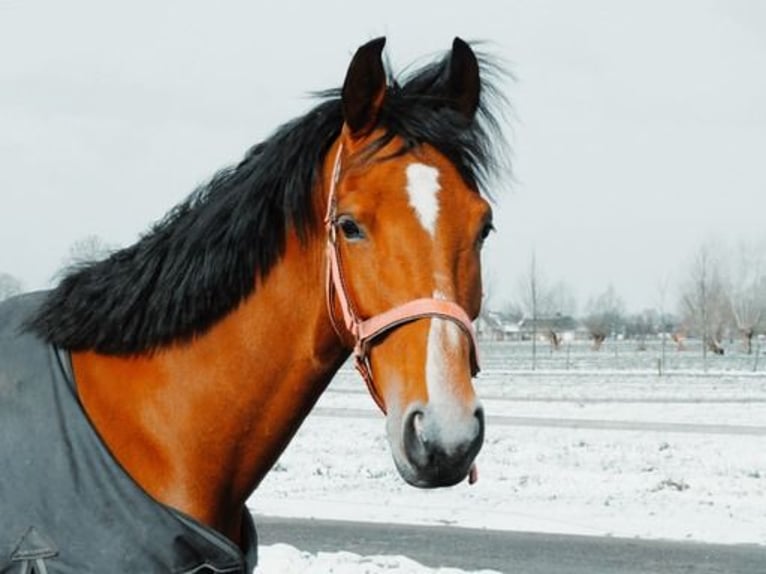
[365, 331]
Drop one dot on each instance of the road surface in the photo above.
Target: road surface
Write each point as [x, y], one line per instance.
[596, 424]
[513, 552]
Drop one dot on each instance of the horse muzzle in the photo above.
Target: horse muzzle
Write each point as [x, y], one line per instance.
[438, 451]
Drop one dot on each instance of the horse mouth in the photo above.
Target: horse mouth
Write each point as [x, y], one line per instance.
[436, 476]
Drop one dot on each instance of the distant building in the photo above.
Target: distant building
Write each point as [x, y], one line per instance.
[496, 326]
[563, 327]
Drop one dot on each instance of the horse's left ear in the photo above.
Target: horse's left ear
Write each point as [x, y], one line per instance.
[364, 88]
[464, 83]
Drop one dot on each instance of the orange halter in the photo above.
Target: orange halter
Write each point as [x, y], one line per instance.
[365, 331]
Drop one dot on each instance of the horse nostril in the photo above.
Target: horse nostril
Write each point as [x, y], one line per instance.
[479, 415]
[414, 424]
[415, 439]
[418, 427]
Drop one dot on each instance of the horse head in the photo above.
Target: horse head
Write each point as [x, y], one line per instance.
[405, 229]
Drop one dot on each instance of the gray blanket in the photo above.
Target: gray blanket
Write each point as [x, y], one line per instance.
[66, 506]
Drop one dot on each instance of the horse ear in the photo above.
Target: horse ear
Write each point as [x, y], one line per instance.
[364, 88]
[464, 84]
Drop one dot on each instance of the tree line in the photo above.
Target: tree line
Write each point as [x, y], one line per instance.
[719, 294]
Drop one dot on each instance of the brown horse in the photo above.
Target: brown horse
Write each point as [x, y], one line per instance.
[198, 351]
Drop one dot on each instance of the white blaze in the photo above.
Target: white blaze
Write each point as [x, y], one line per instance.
[443, 351]
[423, 188]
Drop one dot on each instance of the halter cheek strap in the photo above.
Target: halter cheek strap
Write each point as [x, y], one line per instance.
[365, 331]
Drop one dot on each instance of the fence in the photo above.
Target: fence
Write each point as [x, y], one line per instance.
[620, 356]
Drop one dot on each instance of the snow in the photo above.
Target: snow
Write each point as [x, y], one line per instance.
[647, 483]
[284, 558]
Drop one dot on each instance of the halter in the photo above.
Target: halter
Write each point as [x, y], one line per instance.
[365, 331]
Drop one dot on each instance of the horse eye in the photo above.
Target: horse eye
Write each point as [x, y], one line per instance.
[485, 231]
[350, 228]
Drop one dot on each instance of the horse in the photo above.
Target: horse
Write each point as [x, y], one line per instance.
[145, 397]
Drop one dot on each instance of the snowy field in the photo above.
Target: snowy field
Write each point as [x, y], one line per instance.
[675, 457]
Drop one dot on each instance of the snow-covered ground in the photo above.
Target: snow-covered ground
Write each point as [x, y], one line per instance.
[286, 559]
[708, 485]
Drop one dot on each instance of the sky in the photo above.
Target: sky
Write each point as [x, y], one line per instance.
[638, 129]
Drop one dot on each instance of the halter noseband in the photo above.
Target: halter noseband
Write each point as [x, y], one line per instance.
[364, 331]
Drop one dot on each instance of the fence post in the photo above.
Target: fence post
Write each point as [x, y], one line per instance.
[757, 352]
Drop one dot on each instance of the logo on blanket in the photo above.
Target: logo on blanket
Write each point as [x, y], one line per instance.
[32, 551]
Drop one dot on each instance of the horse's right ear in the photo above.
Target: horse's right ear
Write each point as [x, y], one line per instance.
[364, 88]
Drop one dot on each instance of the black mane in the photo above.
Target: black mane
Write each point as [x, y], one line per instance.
[203, 258]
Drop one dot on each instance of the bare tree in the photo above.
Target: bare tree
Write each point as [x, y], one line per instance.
[704, 301]
[85, 250]
[662, 292]
[90, 248]
[604, 315]
[639, 326]
[488, 291]
[9, 286]
[562, 299]
[562, 305]
[543, 303]
[512, 310]
[747, 295]
[531, 288]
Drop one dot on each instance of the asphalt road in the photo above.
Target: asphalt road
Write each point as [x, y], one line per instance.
[513, 552]
[594, 424]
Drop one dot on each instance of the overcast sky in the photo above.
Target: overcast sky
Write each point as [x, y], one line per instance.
[638, 130]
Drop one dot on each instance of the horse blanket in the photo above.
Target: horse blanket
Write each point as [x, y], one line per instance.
[66, 505]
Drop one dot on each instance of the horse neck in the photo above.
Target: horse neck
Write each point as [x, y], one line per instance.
[198, 425]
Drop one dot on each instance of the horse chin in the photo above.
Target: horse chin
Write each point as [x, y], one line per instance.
[432, 478]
